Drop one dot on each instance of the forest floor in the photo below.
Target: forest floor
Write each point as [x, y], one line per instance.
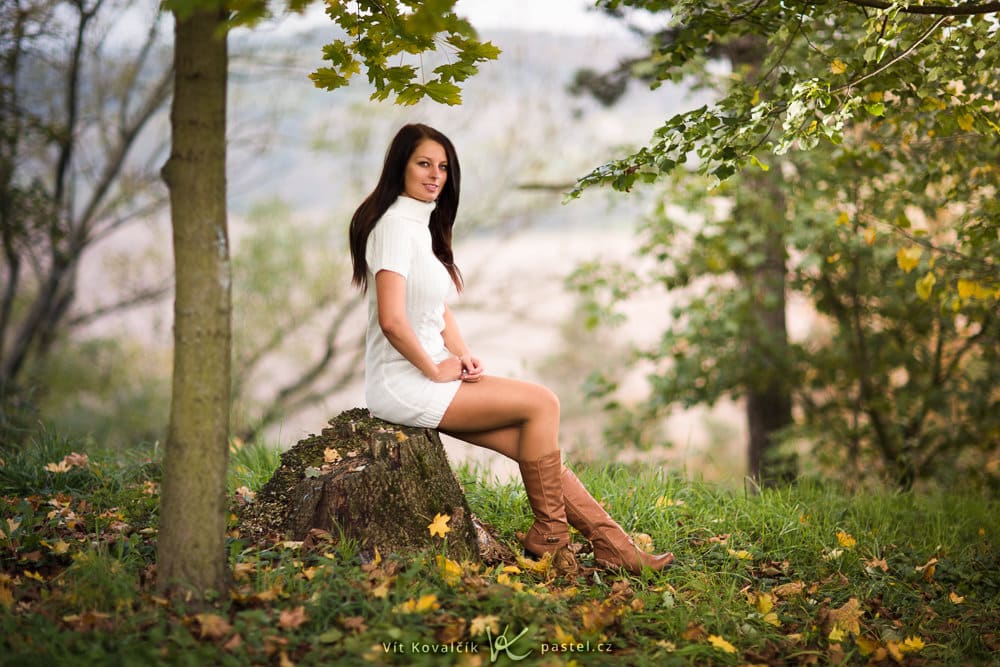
[807, 574]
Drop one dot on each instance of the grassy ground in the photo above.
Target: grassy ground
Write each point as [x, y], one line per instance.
[805, 575]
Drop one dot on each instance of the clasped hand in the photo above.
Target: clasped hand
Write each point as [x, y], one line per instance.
[466, 368]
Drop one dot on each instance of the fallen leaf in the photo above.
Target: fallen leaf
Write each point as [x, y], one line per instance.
[355, 624]
[285, 661]
[695, 632]
[846, 540]
[721, 644]
[450, 571]
[481, 623]
[643, 541]
[928, 569]
[452, 631]
[789, 590]
[563, 637]
[212, 626]
[439, 526]
[956, 598]
[742, 554]
[847, 617]
[234, 642]
[763, 602]
[331, 455]
[912, 645]
[289, 619]
[879, 563]
[866, 646]
[424, 604]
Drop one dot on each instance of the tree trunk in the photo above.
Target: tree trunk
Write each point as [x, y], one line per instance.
[191, 557]
[761, 207]
[372, 481]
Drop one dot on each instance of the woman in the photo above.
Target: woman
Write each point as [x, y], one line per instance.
[419, 371]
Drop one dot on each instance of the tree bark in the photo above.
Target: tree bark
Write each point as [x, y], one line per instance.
[372, 481]
[191, 556]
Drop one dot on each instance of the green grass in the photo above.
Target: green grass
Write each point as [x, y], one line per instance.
[79, 547]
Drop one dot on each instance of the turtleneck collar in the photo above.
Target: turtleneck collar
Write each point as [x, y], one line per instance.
[414, 209]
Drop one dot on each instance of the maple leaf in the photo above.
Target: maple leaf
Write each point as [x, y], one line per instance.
[505, 580]
[482, 623]
[742, 554]
[439, 526]
[956, 598]
[721, 644]
[838, 66]
[62, 466]
[847, 617]
[879, 563]
[289, 619]
[212, 626]
[912, 645]
[331, 455]
[866, 646]
[764, 602]
[846, 540]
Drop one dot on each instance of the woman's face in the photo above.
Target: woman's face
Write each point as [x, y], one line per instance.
[426, 171]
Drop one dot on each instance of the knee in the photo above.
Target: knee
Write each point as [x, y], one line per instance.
[546, 401]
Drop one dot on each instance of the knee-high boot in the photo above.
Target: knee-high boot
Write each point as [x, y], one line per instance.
[549, 532]
[612, 546]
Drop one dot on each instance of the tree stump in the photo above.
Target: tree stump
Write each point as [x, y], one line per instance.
[375, 482]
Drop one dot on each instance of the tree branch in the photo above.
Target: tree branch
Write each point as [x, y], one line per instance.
[933, 10]
[145, 296]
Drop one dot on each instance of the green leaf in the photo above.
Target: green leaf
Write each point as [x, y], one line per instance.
[445, 93]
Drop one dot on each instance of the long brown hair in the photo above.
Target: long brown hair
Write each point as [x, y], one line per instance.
[391, 185]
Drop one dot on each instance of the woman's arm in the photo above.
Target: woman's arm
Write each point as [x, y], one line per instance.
[456, 345]
[391, 292]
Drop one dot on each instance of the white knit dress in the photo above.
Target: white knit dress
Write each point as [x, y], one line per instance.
[395, 389]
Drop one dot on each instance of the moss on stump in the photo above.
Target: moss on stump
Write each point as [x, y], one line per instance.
[376, 482]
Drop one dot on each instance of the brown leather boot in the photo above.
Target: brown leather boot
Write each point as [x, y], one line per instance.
[550, 532]
[612, 547]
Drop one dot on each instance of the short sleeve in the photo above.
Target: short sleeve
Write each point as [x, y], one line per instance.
[390, 247]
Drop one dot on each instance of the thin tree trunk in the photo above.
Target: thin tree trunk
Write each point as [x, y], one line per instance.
[191, 557]
[769, 403]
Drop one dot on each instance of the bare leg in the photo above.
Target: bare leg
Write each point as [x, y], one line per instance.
[495, 405]
[521, 421]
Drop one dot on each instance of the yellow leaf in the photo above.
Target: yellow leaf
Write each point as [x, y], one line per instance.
[760, 165]
[480, 624]
[956, 598]
[912, 645]
[6, 597]
[330, 455]
[965, 121]
[34, 575]
[756, 97]
[843, 218]
[870, 235]
[836, 635]
[764, 602]
[440, 525]
[742, 554]
[875, 96]
[721, 644]
[846, 540]
[511, 569]
[926, 285]
[59, 547]
[62, 466]
[838, 66]
[966, 288]
[772, 618]
[451, 571]
[866, 646]
[909, 258]
[382, 590]
[563, 637]
[424, 604]
[894, 650]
